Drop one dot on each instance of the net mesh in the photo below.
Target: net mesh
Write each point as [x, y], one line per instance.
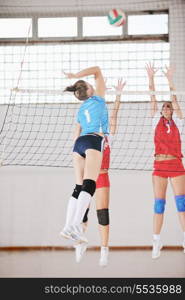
[42, 135]
[36, 128]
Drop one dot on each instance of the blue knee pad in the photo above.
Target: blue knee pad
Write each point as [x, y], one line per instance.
[159, 206]
[180, 202]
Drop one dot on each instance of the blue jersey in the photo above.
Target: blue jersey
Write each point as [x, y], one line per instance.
[93, 116]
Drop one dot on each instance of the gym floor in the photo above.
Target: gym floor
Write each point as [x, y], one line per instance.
[61, 263]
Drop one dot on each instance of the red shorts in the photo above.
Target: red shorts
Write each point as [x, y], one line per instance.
[168, 168]
[103, 181]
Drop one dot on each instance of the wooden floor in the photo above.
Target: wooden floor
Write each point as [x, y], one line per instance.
[123, 264]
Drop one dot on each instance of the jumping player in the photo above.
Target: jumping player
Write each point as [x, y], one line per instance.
[103, 189]
[92, 125]
[168, 157]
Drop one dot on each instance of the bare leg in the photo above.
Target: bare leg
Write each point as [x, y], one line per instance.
[178, 185]
[92, 164]
[159, 187]
[79, 164]
[102, 201]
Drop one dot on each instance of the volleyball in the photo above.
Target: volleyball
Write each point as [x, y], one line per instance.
[116, 17]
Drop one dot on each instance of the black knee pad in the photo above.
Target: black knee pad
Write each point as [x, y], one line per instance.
[89, 186]
[85, 218]
[103, 216]
[77, 191]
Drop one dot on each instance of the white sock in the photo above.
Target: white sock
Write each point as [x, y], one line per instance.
[71, 209]
[184, 235]
[156, 237]
[82, 204]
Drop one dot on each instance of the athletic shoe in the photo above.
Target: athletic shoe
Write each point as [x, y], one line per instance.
[80, 249]
[157, 246]
[78, 235]
[104, 256]
[66, 233]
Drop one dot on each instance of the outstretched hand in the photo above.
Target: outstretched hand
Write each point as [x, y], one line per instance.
[120, 86]
[168, 72]
[151, 70]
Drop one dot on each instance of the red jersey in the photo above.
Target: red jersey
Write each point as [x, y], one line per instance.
[167, 138]
[106, 155]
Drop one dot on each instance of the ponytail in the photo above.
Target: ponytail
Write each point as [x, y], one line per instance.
[79, 89]
[71, 88]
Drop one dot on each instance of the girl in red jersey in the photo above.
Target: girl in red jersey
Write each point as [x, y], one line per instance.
[103, 188]
[168, 157]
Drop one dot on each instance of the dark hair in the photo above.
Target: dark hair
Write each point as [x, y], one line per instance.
[79, 89]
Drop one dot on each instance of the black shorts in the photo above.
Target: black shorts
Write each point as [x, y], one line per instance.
[88, 141]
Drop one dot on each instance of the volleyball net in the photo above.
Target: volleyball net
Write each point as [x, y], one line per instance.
[38, 118]
[41, 134]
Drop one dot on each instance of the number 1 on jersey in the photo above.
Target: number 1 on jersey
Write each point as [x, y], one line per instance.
[88, 118]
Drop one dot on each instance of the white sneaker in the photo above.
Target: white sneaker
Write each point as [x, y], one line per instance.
[80, 249]
[157, 246]
[104, 256]
[77, 234]
[66, 233]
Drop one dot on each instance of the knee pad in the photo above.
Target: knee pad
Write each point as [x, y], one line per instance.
[180, 202]
[89, 186]
[85, 218]
[159, 206]
[77, 191]
[103, 216]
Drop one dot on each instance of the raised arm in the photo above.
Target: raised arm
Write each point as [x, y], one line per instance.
[99, 80]
[169, 75]
[113, 117]
[150, 69]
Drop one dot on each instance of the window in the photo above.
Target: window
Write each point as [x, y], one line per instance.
[44, 65]
[85, 27]
[57, 27]
[15, 28]
[99, 26]
[148, 24]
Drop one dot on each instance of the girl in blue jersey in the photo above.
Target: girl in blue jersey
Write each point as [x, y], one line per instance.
[102, 193]
[92, 125]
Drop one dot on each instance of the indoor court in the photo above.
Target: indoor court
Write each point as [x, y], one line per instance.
[39, 41]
